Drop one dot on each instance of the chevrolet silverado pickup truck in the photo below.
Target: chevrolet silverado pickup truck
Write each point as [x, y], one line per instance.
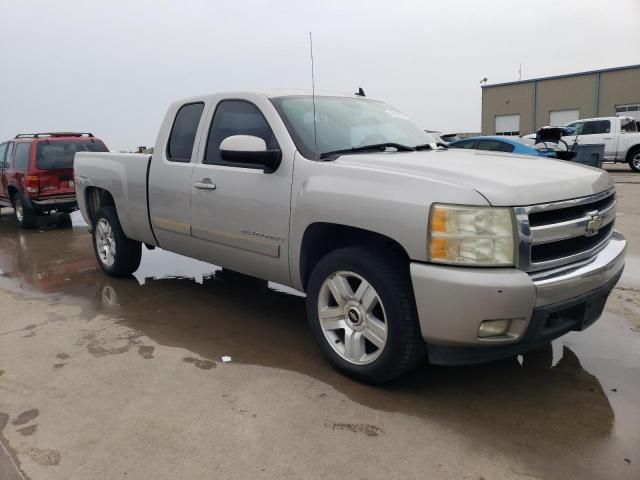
[403, 249]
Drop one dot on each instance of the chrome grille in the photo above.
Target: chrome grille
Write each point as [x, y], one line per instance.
[559, 233]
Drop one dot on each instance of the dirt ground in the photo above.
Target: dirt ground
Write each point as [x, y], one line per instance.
[112, 379]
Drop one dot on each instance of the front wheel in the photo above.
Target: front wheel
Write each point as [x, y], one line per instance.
[117, 255]
[634, 159]
[361, 312]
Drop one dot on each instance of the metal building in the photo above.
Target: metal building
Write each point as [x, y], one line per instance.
[522, 107]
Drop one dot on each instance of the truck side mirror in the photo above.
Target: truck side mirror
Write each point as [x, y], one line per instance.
[251, 151]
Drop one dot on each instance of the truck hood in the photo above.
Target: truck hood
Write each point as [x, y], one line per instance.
[503, 179]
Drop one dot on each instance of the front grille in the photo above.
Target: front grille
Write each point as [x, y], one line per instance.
[564, 232]
[546, 217]
[565, 248]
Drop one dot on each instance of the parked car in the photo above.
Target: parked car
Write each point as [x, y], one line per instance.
[37, 173]
[619, 135]
[402, 248]
[501, 144]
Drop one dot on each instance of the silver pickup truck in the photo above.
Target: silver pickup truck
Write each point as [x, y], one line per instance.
[403, 248]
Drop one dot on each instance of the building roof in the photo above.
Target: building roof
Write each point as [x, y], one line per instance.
[554, 77]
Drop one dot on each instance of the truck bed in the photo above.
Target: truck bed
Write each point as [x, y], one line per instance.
[124, 176]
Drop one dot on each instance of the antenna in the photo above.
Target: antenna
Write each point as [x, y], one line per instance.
[520, 72]
[313, 98]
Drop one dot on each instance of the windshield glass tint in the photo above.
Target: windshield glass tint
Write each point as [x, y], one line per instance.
[57, 154]
[344, 123]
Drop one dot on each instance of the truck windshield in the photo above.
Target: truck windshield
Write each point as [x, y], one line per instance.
[57, 154]
[343, 123]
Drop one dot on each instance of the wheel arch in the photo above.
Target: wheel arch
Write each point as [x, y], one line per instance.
[321, 238]
[95, 199]
[632, 149]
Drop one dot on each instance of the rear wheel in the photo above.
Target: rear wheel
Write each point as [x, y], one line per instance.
[117, 255]
[361, 312]
[25, 216]
[634, 159]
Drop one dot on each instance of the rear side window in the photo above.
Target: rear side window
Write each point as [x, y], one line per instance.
[494, 146]
[183, 132]
[467, 144]
[596, 127]
[53, 155]
[236, 117]
[21, 158]
[3, 150]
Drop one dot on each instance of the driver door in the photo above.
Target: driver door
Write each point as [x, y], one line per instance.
[239, 213]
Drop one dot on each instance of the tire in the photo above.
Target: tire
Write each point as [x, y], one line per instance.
[122, 255]
[634, 159]
[390, 318]
[25, 216]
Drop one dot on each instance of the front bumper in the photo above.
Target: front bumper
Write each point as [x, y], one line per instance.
[452, 302]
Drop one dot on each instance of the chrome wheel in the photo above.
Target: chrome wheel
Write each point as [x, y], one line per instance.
[352, 317]
[105, 243]
[19, 210]
[636, 161]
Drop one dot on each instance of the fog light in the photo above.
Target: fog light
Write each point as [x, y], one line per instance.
[493, 328]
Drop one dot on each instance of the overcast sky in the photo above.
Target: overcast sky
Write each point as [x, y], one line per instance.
[113, 67]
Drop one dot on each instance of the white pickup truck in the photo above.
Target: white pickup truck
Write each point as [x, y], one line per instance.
[619, 135]
[403, 248]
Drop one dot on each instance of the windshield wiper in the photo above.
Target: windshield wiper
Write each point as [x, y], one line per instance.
[367, 148]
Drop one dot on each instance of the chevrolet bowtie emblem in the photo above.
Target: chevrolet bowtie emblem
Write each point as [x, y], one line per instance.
[594, 224]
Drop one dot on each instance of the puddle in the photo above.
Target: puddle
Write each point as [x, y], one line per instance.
[580, 392]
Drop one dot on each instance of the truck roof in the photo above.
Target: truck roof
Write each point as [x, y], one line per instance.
[600, 118]
[270, 93]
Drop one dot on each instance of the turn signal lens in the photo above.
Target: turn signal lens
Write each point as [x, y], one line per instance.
[480, 236]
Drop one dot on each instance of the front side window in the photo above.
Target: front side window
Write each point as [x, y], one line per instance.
[628, 125]
[183, 132]
[596, 127]
[21, 159]
[56, 154]
[344, 123]
[236, 117]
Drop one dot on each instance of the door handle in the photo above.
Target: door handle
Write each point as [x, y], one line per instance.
[205, 184]
[607, 138]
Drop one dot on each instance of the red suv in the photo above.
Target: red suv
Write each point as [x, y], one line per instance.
[37, 173]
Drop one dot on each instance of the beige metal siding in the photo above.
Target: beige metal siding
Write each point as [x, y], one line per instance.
[618, 88]
[565, 94]
[507, 100]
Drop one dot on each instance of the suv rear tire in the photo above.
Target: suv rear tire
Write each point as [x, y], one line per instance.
[25, 216]
[369, 328]
[117, 255]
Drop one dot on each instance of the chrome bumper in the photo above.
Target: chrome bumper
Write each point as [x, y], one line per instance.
[452, 302]
[560, 284]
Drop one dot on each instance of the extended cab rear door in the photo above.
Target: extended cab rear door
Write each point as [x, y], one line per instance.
[170, 177]
[239, 213]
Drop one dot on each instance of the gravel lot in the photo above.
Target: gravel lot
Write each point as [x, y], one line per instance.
[105, 379]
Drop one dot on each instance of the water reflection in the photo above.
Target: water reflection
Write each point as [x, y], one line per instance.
[179, 302]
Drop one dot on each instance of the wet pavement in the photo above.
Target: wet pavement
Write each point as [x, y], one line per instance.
[105, 378]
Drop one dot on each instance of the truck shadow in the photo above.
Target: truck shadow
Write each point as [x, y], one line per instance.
[519, 405]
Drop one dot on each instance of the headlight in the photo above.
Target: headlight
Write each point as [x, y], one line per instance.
[481, 236]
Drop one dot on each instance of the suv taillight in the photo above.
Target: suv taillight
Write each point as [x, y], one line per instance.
[32, 184]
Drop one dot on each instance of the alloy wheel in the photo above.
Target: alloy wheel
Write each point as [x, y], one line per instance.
[105, 242]
[352, 317]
